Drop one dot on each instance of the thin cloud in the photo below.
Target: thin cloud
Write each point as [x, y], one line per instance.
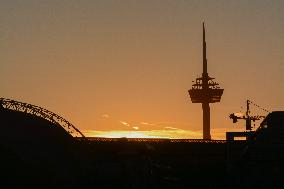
[124, 123]
[172, 128]
[105, 116]
[145, 123]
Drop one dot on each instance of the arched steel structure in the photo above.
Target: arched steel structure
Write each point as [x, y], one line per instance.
[41, 112]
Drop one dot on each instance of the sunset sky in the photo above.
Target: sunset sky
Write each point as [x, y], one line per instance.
[126, 65]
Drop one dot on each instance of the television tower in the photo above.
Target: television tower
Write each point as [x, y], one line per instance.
[205, 91]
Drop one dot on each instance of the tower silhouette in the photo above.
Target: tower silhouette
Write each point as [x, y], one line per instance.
[205, 91]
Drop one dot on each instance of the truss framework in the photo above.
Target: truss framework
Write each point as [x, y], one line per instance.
[41, 112]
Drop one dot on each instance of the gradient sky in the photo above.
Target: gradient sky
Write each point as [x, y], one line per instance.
[127, 65]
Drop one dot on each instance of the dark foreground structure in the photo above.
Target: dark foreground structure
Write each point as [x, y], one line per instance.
[37, 150]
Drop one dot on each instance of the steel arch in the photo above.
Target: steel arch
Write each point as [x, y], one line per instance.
[41, 112]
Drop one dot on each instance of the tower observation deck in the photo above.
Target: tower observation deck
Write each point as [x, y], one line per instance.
[205, 90]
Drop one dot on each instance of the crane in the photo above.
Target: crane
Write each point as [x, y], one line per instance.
[249, 118]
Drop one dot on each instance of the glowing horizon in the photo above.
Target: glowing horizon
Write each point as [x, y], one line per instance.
[217, 134]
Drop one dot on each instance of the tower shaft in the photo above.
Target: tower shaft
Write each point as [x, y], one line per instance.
[206, 121]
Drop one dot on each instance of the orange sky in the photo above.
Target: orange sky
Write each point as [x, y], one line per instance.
[100, 64]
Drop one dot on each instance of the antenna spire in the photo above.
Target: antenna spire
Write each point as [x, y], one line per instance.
[204, 54]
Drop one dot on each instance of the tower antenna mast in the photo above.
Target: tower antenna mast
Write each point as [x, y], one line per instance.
[205, 91]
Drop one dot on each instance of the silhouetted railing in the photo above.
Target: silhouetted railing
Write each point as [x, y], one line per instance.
[41, 112]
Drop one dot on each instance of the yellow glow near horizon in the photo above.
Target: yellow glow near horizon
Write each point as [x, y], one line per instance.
[127, 134]
[217, 134]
